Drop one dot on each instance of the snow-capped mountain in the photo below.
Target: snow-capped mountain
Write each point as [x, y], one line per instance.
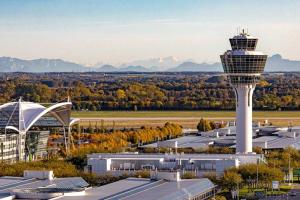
[156, 64]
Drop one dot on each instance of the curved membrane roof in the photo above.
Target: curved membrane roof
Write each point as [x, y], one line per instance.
[21, 116]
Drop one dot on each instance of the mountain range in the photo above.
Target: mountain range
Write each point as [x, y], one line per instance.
[169, 64]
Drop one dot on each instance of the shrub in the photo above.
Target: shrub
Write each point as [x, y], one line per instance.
[189, 175]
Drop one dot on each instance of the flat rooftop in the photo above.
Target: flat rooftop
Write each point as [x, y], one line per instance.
[191, 141]
[8, 183]
[203, 141]
[112, 189]
[146, 189]
[274, 141]
[242, 157]
[279, 142]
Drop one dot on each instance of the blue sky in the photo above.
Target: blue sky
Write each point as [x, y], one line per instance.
[116, 31]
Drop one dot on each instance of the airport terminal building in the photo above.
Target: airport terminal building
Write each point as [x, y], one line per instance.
[25, 127]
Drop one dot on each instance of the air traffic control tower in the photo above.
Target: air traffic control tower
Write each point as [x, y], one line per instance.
[243, 67]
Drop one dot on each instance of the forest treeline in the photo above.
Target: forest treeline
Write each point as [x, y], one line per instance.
[113, 141]
[118, 140]
[139, 92]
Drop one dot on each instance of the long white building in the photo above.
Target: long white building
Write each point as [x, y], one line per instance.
[243, 67]
[200, 163]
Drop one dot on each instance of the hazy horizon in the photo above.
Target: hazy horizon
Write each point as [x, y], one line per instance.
[116, 31]
[132, 63]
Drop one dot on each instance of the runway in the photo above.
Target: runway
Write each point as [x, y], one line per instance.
[176, 118]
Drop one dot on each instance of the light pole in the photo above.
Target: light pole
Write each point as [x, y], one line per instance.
[289, 169]
[257, 163]
[238, 192]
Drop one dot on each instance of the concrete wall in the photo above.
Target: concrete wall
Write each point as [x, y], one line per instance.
[169, 176]
[244, 95]
[222, 165]
[167, 144]
[263, 144]
[44, 174]
[99, 165]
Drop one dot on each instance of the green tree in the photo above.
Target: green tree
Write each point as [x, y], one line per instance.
[231, 180]
[218, 197]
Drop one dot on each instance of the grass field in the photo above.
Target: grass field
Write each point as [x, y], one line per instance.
[188, 119]
[181, 114]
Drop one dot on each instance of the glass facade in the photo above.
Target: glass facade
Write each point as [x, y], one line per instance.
[243, 44]
[242, 64]
[9, 150]
[243, 79]
[47, 121]
[36, 143]
[9, 116]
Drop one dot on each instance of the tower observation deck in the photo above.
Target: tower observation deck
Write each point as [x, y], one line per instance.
[243, 66]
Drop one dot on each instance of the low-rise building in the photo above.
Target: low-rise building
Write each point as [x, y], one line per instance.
[40, 185]
[277, 142]
[266, 137]
[162, 186]
[200, 163]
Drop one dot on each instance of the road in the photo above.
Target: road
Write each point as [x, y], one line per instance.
[285, 197]
[296, 190]
[185, 121]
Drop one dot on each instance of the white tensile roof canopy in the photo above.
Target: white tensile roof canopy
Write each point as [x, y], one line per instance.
[20, 116]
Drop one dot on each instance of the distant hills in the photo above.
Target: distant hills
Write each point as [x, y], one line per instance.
[194, 67]
[156, 64]
[134, 69]
[169, 64]
[277, 63]
[106, 68]
[8, 64]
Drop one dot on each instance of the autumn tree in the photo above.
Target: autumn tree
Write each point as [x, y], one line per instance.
[231, 180]
[204, 125]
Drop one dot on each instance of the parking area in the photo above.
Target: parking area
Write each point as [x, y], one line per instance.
[293, 194]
